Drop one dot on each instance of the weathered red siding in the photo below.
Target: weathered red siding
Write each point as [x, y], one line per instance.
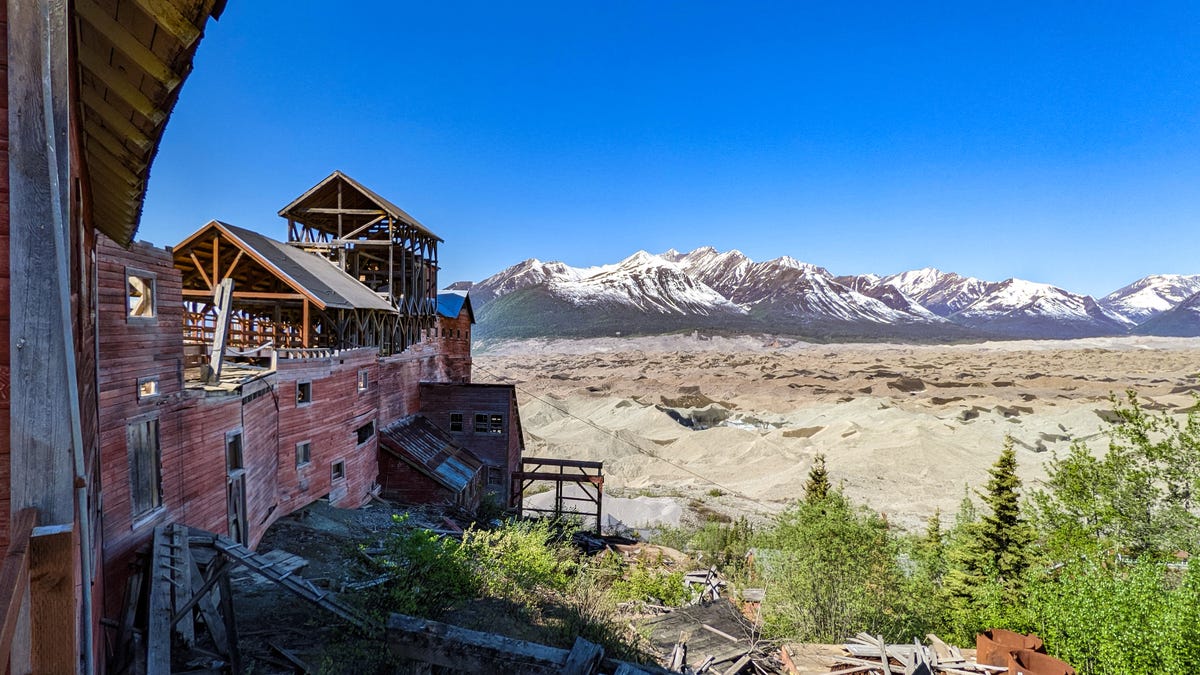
[403, 483]
[438, 400]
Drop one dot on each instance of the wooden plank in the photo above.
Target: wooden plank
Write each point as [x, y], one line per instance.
[223, 302]
[738, 665]
[97, 63]
[53, 554]
[120, 125]
[583, 659]
[168, 17]
[235, 655]
[126, 43]
[158, 632]
[182, 586]
[546, 461]
[203, 275]
[14, 581]
[202, 593]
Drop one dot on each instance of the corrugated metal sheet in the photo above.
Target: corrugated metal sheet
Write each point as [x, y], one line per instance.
[428, 449]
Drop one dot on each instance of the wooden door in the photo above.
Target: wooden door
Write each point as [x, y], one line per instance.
[236, 488]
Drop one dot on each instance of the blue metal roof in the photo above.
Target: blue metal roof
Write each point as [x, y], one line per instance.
[450, 304]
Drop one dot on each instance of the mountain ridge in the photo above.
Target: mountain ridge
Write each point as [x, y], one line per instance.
[708, 289]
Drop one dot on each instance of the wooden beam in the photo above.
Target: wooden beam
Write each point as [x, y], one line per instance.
[53, 555]
[114, 120]
[14, 581]
[158, 633]
[216, 257]
[233, 266]
[305, 329]
[115, 166]
[345, 212]
[244, 295]
[94, 132]
[200, 268]
[169, 18]
[97, 63]
[126, 43]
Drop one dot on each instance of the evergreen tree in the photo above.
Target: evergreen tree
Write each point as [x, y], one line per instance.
[817, 487]
[932, 548]
[1005, 535]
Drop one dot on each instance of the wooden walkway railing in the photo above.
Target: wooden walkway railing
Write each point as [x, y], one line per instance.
[14, 581]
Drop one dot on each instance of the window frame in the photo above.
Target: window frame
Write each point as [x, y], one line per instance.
[360, 440]
[143, 381]
[307, 445]
[337, 470]
[303, 400]
[459, 422]
[496, 423]
[151, 281]
[481, 423]
[364, 380]
[153, 503]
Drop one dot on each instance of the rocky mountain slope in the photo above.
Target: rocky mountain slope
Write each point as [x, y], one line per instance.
[727, 291]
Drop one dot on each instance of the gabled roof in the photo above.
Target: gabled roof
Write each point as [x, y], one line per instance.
[131, 61]
[324, 195]
[425, 447]
[450, 304]
[306, 273]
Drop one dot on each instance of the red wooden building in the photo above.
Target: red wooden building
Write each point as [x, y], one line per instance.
[220, 384]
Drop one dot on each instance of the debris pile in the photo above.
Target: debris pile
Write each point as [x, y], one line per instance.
[871, 655]
[710, 638]
[1018, 653]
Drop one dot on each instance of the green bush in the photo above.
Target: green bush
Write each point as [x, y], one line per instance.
[520, 558]
[428, 574]
[649, 584]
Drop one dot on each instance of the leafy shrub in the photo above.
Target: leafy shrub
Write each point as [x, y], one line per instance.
[428, 574]
[649, 584]
[520, 558]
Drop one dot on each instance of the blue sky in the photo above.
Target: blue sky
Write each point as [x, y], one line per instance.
[1058, 142]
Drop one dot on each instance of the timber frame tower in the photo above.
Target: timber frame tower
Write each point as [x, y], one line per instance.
[377, 243]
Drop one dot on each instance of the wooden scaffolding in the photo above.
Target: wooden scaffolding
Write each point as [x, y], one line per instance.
[374, 241]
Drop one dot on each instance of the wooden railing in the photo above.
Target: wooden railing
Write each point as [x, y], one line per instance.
[14, 581]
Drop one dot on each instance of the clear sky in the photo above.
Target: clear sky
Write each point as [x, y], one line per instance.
[1053, 141]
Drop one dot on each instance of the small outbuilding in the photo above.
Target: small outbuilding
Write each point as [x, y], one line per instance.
[421, 464]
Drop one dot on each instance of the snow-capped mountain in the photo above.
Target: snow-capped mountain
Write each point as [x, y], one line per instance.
[1150, 296]
[1022, 307]
[706, 288]
[1182, 320]
[642, 282]
[943, 293]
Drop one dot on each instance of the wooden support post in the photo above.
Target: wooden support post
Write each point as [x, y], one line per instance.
[14, 591]
[45, 433]
[305, 328]
[231, 634]
[223, 301]
[158, 632]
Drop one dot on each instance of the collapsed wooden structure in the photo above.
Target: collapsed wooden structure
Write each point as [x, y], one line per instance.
[586, 477]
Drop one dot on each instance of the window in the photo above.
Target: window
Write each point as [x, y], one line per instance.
[363, 380]
[456, 421]
[140, 294]
[365, 432]
[496, 424]
[495, 475]
[338, 470]
[303, 393]
[147, 387]
[144, 467]
[481, 423]
[233, 451]
[303, 453]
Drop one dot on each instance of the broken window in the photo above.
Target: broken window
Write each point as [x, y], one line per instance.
[365, 432]
[303, 393]
[495, 475]
[363, 380]
[303, 453]
[338, 470]
[140, 290]
[481, 423]
[233, 451]
[496, 424]
[456, 421]
[144, 467]
[147, 387]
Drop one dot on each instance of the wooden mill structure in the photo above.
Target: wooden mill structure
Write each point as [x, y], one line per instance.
[375, 242]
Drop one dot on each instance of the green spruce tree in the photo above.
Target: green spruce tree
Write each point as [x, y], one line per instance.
[817, 487]
[1005, 534]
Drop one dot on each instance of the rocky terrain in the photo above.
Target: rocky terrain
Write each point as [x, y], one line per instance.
[731, 425]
